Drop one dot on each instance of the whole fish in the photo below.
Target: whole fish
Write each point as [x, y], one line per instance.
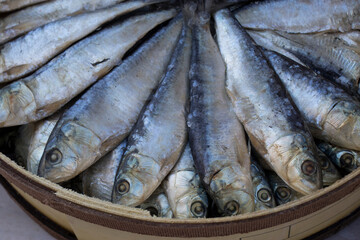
[331, 113]
[103, 117]
[157, 204]
[329, 172]
[98, 180]
[345, 159]
[275, 127]
[11, 5]
[183, 189]
[27, 19]
[336, 63]
[26, 54]
[162, 124]
[301, 16]
[217, 138]
[283, 193]
[264, 197]
[64, 77]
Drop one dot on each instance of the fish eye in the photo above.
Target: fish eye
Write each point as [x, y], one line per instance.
[123, 186]
[198, 209]
[153, 211]
[232, 208]
[308, 167]
[283, 193]
[324, 163]
[346, 159]
[54, 156]
[264, 195]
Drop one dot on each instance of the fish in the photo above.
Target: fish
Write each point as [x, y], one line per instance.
[41, 133]
[332, 114]
[11, 5]
[27, 53]
[25, 20]
[217, 139]
[104, 116]
[184, 190]
[264, 198]
[345, 159]
[275, 127]
[283, 193]
[335, 62]
[157, 204]
[52, 86]
[98, 180]
[301, 16]
[330, 174]
[159, 137]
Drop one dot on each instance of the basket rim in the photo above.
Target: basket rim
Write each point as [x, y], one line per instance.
[45, 192]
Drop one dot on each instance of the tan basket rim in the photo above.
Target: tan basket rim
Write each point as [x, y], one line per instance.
[164, 227]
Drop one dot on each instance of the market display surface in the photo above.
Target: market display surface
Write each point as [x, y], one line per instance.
[187, 109]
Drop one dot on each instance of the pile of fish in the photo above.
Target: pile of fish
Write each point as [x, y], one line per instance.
[188, 109]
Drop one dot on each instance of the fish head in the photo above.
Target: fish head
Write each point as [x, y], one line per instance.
[70, 150]
[264, 195]
[297, 163]
[58, 161]
[347, 159]
[232, 191]
[329, 173]
[136, 179]
[283, 194]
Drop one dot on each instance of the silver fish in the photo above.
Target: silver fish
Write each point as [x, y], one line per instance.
[11, 5]
[26, 54]
[331, 113]
[159, 137]
[329, 172]
[264, 197]
[184, 190]
[103, 117]
[98, 180]
[27, 19]
[345, 159]
[275, 127]
[44, 92]
[157, 204]
[217, 139]
[335, 62]
[283, 193]
[301, 16]
[41, 133]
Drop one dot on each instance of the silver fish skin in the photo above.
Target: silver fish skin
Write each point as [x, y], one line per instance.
[343, 158]
[335, 62]
[283, 193]
[332, 114]
[158, 204]
[217, 139]
[103, 117]
[52, 86]
[264, 198]
[26, 54]
[301, 16]
[330, 174]
[11, 5]
[41, 133]
[275, 127]
[184, 190]
[98, 180]
[27, 19]
[162, 124]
